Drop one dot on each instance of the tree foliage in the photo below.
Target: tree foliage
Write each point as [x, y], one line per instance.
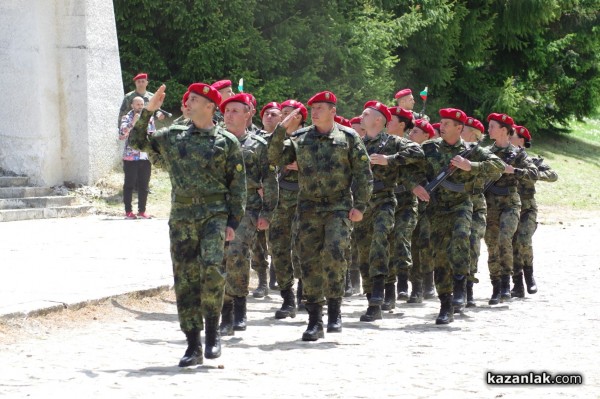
[535, 59]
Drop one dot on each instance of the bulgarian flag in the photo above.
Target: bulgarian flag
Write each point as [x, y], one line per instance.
[423, 94]
[241, 85]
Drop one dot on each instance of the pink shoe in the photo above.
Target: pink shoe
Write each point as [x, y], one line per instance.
[144, 215]
[130, 215]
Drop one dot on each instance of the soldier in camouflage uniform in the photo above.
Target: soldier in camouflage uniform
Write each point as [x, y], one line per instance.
[225, 90]
[282, 232]
[329, 157]
[374, 232]
[450, 207]
[270, 115]
[406, 100]
[421, 272]
[405, 217]
[206, 168]
[473, 133]
[141, 82]
[504, 205]
[262, 196]
[522, 240]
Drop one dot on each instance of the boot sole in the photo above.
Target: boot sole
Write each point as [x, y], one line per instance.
[309, 338]
[193, 362]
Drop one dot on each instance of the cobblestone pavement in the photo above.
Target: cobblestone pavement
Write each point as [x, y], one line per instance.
[132, 351]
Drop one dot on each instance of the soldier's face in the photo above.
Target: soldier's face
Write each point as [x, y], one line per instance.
[368, 120]
[140, 85]
[407, 102]
[322, 114]
[517, 141]
[271, 117]
[226, 93]
[469, 134]
[395, 127]
[198, 105]
[236, 117]
[450, 130]
[417, 135]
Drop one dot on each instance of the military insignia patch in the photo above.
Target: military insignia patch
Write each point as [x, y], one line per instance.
[521, 131]
[239, 167]
[503, 118]
[205, 90]
[327, 96]
[378, 105]
[458, 114]
[470, 121]
[271, 168]
[364, 158]
[293, 102]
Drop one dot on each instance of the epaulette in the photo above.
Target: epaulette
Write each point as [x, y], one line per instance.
[347, 130]
[259, 138]
[300, 132]
[176, 129]
[226, 134]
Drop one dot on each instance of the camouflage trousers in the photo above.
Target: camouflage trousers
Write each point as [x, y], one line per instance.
[523, 238]
[478, 224]
[405, 221]
[282, 236]
[373, 237]
[420, 251]
[260, 251]
[197, 249]
[502, 221]
[322, 244]
[450, 232]
[237, 256]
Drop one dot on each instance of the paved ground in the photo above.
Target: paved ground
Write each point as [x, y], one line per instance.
[128, 348]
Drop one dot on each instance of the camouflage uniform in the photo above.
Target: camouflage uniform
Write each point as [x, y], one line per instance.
[206, 169]
[259, 174]
[182, 120]
[450, 211]
[327, 165]
[522, 240]
[503, 208]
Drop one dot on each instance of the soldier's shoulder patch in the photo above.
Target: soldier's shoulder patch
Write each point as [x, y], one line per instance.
[260, 139]
[239, 167]
[272, 168]
[364, 158]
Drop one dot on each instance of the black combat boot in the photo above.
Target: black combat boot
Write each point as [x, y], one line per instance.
[355, 278]
[314, 331]
[193, 353]
[212, 340]
[349, 290]
[495, 299]
[299, 295]
[288, 307]
[334, 315]
[389, 300]
[416, 295]
[226, 327]
[428, 286]
[262, 288]
[470, 301]
[373, 312]
[529, 280]
[403, 286]
[239, 313]
[446, 314]
[378, 292]
[458, 294]
[504, 288]
[518, 290]
[272, 279]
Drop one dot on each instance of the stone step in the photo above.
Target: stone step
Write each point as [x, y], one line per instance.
[14, 181]
[24, 192]
[11, 215]
[36, 202]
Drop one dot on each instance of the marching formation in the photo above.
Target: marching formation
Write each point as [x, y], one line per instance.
[342, 205]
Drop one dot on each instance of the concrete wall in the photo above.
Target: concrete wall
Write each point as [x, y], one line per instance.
[60, 76]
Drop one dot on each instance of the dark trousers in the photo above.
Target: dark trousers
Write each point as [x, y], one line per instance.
[137, 174]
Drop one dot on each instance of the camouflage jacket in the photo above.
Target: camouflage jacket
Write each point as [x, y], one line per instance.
[206, 168]
[327, 166]
[526, 187]
[259, 174]
[525, 170]
[182, 120]
[128, 99]
[437, 155]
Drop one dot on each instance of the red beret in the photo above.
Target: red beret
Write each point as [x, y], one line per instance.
[296, 104]
[453, 113]
[207, 91]
[356, 120]
[502, 118]
[475, 123]
[221, 84]
[186, 95]
[140, 76]
[252, 99]
[237, 98]
[425, 126]
[523, 132]
[436, 126]
[323, 97]
[272, 104]
[342, 121]
[401, 112]
[402, 93]
[379, 107]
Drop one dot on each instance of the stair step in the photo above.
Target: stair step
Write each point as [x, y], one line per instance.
[13, 181]
[10, 215]
[36, 202]
[24, 192]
